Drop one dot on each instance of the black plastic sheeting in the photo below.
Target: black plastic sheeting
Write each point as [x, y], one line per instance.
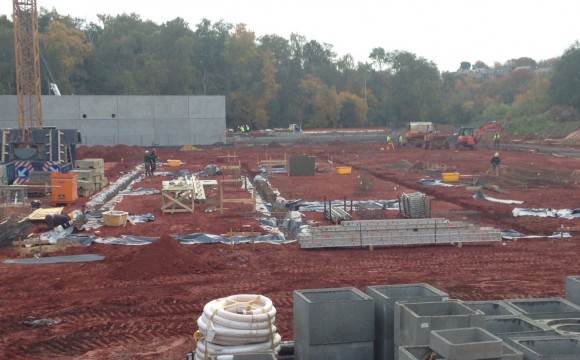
[195, 238]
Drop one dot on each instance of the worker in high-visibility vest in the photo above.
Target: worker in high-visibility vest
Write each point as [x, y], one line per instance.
[390, 145]
[496, 140]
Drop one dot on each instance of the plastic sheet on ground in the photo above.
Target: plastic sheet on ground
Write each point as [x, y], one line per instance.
[33, 322]
[139, 191]
[136, 219]
[480, 195]
[319, 206]
[434, 182]
[554, 213]
[127, 240]
[57, 259]
[57, 233]
[515, 235]
[195, 238]
[82, 239]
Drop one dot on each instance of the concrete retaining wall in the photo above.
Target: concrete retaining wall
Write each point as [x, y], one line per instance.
[131, 120]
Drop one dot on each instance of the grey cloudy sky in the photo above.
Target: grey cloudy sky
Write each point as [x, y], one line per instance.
[443, 31]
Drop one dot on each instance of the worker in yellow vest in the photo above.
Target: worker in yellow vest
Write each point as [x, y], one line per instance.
[496, 140]
[390, 145]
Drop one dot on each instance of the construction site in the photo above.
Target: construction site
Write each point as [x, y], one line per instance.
[368, 217]
[137, 227]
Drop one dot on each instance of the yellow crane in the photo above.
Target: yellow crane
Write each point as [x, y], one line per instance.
[28, 78]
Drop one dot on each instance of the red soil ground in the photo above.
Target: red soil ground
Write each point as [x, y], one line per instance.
[142, 302]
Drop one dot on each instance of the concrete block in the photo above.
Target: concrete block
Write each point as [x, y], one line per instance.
[492, 308]
[83, 174]
[245, 357]
[565, 327]
[466, 344]
[385, 297]
[422, 353]
[516, 326]
[417, 320]
[547, 308]
[549, 348]
[344, 351]
[573, 289]
[418, 353]
[510, 353]
[333, 316]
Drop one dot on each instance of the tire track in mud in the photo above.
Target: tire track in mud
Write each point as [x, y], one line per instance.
[102, 327]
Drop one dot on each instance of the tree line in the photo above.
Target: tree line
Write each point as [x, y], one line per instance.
[272, 81]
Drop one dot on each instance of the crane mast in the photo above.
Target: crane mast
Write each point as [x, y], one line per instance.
[27, 68]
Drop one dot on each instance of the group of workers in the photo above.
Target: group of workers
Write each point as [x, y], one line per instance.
[150, 161]
[243, 128]
[391, 141]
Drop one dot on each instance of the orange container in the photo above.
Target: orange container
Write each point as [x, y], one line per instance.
[63, 188]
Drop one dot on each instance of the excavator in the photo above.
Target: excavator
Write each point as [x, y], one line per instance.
[468, 138]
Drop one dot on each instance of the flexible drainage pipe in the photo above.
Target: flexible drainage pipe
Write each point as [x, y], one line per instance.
[238, 324]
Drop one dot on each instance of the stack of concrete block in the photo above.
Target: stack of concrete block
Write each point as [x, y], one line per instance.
[508, 327]
[385, 297]
[91, 176]
[546, 308]
[466, 344]
[336, 324]
[492, 308]
[549, 347]
[415, 321]
[573, 289]
[425, 352]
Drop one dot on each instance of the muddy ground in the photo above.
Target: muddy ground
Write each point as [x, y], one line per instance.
[142, 302]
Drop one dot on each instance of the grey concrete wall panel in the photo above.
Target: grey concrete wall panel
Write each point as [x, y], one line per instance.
[207, 107]
[344, 351]
[546, 308]
[549, 348]
[385, 297]
[174, 107]
[175, 120]
[135, 107]
[332, 316]
[573, 289]
[492, 308]
[58, 108]
[516, 326]
[417, 320]
[99, 107]
[99, 132]
[8, 111]
[466, 344]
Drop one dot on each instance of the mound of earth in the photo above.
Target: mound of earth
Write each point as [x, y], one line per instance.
[164, 257]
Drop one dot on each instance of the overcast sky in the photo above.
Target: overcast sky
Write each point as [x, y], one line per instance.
[446, 32]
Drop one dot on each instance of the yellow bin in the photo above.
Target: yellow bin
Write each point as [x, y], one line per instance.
[450, 177]
[115, 218]
[343, 170]
[174, 162]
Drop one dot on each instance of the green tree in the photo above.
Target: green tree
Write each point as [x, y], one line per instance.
[415, 89]
[565, 84]
[65, 49]
[7, 62]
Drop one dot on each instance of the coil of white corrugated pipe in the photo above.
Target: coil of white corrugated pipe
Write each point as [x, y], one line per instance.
[237, 324]
[97, 201]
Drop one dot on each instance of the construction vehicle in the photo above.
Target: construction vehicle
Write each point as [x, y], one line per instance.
[416, 132]
[468, 138]
[295, 128]
[438, 138]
